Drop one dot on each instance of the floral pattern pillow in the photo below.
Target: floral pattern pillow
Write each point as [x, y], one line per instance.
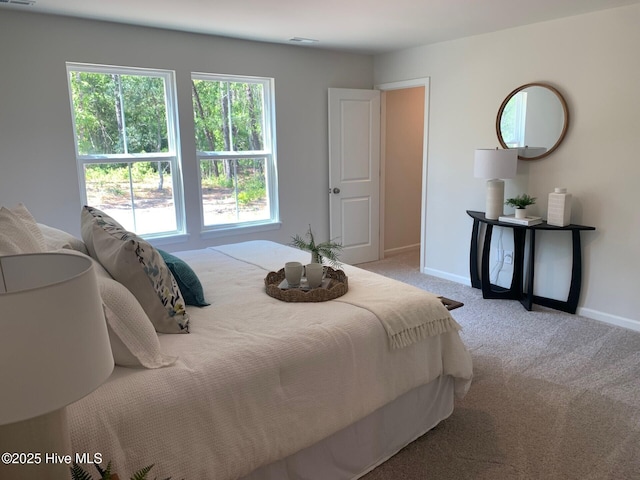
[136, 264]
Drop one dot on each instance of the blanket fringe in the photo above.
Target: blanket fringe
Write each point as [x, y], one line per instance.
[420, 332]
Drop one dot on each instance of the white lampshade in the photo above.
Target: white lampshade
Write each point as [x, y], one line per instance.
[495, 163]
[54, 345]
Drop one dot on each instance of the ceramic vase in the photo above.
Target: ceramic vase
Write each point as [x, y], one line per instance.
[521, 212]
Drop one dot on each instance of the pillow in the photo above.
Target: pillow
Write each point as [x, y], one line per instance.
[99, 269]
[88, 217]
[134, 341]
[17, 234]
[29, 222]
[56, 239]
[138, 266]
[186, 278]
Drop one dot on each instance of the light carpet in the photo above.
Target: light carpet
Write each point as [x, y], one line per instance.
[554, 395]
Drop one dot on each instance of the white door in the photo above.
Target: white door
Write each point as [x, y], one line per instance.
[354, 173]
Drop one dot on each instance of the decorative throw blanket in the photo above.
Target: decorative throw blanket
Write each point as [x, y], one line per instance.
[407, 313]
[421, 315]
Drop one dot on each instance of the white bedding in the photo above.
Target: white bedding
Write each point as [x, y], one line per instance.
[257, 379]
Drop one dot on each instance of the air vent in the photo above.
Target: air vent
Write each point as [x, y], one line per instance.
[24, 3]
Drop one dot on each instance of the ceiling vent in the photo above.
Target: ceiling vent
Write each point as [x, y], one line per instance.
[24, 3]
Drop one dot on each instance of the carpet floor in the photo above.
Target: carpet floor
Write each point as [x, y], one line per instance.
[554, 395]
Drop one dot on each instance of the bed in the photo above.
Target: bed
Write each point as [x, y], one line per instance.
[264, 389]
[261, 389]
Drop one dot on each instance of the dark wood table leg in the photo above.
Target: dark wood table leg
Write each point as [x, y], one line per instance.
[576, 273]
[485, 281]
[527, 297]
[571, 305]
[473, 255]
[495, 291]
[519, 237]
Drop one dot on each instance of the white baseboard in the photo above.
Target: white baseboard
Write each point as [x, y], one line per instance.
[609, 318]
[585, 312]
[408, 248]
[447, 276]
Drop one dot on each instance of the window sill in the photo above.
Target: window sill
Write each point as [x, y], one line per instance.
[167, 239]
[240, 230]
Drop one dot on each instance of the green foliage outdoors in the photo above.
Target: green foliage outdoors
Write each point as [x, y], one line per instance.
[228, 116]
[119, 172]
[248, 177]
[118, 114]
[113, 178]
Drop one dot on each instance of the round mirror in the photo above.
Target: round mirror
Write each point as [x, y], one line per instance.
[534, 119]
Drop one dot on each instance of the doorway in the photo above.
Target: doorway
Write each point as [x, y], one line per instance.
[403, 170]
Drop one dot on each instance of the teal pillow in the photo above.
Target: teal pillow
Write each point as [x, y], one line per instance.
[187, 280]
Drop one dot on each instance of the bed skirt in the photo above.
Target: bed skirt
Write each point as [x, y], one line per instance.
[359, 448]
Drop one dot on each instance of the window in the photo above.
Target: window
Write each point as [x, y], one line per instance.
[235, 145]
[125, 132]
[513, 121]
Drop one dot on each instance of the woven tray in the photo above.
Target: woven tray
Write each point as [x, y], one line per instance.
[336, 287]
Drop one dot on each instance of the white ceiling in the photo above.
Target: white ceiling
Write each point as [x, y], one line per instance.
[365, 26]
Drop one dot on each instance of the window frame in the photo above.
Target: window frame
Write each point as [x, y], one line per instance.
[516, 140]
[173, 156]
[268, 153]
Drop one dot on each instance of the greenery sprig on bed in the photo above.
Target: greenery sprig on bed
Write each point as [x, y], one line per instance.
[326, 250]
[78, 473]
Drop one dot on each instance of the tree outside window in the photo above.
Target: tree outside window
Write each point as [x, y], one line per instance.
[125, 133]
[233, 130]
[126, 129]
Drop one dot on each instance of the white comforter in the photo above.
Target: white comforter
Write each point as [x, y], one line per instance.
[257, 379]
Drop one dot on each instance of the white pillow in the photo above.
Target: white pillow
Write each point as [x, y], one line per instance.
[17, 234]
[30, 223]
[134, 341]
[55, 239]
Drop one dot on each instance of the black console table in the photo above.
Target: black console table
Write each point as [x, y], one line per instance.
[481, 279]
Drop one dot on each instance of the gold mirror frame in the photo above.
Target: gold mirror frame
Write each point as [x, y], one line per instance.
[565, 110]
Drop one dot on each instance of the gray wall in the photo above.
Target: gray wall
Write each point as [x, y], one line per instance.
[37, 160]
[593, 60]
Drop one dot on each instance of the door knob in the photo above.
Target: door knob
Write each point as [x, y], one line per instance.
[336, 190]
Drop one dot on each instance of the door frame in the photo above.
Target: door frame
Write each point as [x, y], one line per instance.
[417, 82]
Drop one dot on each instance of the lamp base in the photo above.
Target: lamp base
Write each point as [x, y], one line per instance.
[495, 199]
[42, 443]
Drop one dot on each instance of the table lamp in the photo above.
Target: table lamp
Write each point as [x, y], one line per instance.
[54, 350]
[495, 165]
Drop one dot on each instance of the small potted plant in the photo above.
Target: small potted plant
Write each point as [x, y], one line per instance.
[520, 203]
[319, 251]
